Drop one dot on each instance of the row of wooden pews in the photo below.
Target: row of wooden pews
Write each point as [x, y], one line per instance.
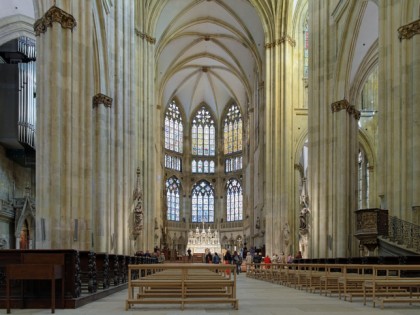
[378, 283]
[84, 276]
[181, 283]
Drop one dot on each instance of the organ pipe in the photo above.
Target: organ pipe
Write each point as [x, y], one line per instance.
[27, 88]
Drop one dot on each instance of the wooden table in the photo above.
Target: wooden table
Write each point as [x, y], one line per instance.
[35, 272]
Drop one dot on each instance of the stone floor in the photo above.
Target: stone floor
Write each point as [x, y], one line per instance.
[255, 298]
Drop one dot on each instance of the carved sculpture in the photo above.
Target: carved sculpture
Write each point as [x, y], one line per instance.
[286, 238]
[304, 214]
[138, 208]
[206, 240]
[3, 243]
[54, 14]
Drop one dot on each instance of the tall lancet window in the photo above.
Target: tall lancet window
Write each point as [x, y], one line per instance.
[363, 184]
[174, 133]
[203, 134]
[305, 49]
[202, 205]
[232, 130]
[234, 204]
[369, 97]
[173, 187]
[232, 139]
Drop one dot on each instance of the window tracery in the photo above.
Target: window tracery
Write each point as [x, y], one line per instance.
[172, 198]
[202, 204]
[234, 201]
[203, 134]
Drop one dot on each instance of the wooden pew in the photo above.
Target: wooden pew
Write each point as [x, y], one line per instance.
[329, 281]
[351, 281]
[182, 284]
[389, 284]
[309, 276]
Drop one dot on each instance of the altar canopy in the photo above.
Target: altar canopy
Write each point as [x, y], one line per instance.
[201, 242]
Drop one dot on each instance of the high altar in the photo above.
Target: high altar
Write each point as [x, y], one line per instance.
[204, 241]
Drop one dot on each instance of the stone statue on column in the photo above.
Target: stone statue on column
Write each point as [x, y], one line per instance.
[138, 208]
[304, 214]
[286, 238]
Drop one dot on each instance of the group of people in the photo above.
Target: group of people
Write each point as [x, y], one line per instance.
[258, 258]
[250, 257]
[212, 259]
[157, 253]
[228, 258]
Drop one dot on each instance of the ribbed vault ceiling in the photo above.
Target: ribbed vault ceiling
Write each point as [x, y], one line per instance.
[208, 51]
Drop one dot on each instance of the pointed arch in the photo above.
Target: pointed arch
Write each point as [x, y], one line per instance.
[26, 223]
[16, 26]
[370, 159]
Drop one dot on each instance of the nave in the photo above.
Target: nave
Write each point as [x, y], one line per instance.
[256, 297]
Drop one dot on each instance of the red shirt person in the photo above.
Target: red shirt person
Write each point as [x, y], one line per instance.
[267, 260]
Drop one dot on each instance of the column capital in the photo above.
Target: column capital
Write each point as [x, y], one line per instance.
[409, 30]
[281, 40]
[101, 99]
[344, 104]
[54, 14]
[145, 36]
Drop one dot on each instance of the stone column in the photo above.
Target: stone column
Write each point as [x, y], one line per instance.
[278, 203]
[55, 128]
[332, 144]
[147, 120]
[116, 34]
[81, 126]
[399, 116]
[101, 208]
[344, 149]
[333, 130]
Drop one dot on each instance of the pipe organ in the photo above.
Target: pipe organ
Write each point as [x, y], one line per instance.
[18, 97]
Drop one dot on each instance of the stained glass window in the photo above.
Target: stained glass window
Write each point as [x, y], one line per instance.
[203, 134]
[203, 166]
[234, 201]
[202, 206]
[173, 162]
[173, 128]
[233, 164]
[232, 130]
[172, 198]
[212, 167]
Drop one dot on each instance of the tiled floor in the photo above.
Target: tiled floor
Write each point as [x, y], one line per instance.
[255, 298]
